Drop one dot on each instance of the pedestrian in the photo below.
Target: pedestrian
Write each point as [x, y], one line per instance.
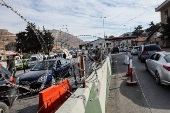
[11, 66]
[97, 53]
[64, 56]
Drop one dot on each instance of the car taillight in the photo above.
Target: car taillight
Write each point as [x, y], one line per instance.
[166, 67]
[159, 50]
[144, 51]
[12, 79]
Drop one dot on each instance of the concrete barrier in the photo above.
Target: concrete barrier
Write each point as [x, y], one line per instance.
[93, 98]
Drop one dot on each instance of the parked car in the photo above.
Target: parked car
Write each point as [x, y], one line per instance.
[146, 51]
[125, 49]
[121, 48]
[115, 49]
[58, 67]
[159, 66]
[73, 54]
[130, 48]
[21, 64]
[7, 98]
[135, 50]
[34, 59]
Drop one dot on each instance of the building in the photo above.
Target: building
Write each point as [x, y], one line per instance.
[100, 42]
[141, 41]
[164, 9]
[9, 40]
[122, 41]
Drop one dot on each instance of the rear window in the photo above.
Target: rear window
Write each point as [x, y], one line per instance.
[167, 58]
[136, 47]
[151, 48]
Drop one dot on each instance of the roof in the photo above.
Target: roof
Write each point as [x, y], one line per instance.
[163, 6]
[125, 37]
[140, 39]
[153, 32]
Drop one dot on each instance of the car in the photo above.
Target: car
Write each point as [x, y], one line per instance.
[34, 59]
[73, 54]
[130, 48]
[57, 68]
[121, 48]
[115, 49]
[146, 51]
[159, 66]
[135, 50]
[124, 49]
[21, 64]
[9, 92]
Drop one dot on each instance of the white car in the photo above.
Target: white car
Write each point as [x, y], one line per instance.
[159, 66]
[135, 50]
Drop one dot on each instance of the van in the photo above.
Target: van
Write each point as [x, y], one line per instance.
[62, 51]
[34, 59]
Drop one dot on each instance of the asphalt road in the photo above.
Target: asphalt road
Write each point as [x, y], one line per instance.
[146, 97]
[29, 103]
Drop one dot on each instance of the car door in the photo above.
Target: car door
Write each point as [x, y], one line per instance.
[155, 62]
[64, 67]
[58, 69]
[152, 64]
[149, 64]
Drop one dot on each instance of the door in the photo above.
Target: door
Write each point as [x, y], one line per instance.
[155, 62]
[149, 61]
[152, 64]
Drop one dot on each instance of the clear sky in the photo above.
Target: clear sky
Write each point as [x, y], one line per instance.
[82, 17]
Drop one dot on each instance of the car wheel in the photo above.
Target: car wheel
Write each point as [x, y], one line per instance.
[52, 81]
[157, 76]
[146, 67]
[4, 108]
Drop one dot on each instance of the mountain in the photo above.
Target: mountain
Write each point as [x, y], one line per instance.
[69, 40]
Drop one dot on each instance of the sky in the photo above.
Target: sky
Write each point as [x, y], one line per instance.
[82, 18]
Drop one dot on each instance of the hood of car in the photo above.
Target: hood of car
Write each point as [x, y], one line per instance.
[32, 75]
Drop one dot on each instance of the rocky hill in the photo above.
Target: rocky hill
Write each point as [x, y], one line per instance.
[68, 40]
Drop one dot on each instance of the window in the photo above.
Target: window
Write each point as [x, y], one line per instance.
[166, 15]
[151, 48]
[157, 57]
[167, 58]
[63, 61]
[153, 56]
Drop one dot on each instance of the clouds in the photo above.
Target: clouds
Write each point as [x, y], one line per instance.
[81, 17]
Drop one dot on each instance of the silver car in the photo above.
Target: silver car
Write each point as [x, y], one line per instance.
[159, 66]
[135, 50]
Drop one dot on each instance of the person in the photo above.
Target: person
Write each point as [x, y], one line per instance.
[97, 53]
[64, 56]
[11, 65]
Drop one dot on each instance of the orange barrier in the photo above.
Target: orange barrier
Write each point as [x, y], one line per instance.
[53, 97]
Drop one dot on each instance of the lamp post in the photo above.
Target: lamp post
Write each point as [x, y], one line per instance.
[104, 31]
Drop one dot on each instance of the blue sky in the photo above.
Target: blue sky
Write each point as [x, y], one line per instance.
[82, 17]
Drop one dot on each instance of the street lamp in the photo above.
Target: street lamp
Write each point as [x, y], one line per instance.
[103, 26]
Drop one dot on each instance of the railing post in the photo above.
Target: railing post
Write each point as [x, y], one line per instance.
[83, 70]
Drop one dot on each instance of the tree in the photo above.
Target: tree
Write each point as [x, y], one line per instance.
[28, 41]
[166, 32]
[138, 31]
[152, 27]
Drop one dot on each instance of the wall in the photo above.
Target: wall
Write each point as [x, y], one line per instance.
[163, 14]
[92, 99]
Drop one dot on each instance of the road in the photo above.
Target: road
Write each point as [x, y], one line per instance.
[146, 97]
[29, 103]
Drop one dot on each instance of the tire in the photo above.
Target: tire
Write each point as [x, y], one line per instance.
[157, 77]
[68, 73]
[4, 108]
[52, 81]
[146, 67]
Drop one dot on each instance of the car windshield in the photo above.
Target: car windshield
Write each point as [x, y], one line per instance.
[42, 65]
[32, 59]
[151, 48]
[136, 47]
[167, 58]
